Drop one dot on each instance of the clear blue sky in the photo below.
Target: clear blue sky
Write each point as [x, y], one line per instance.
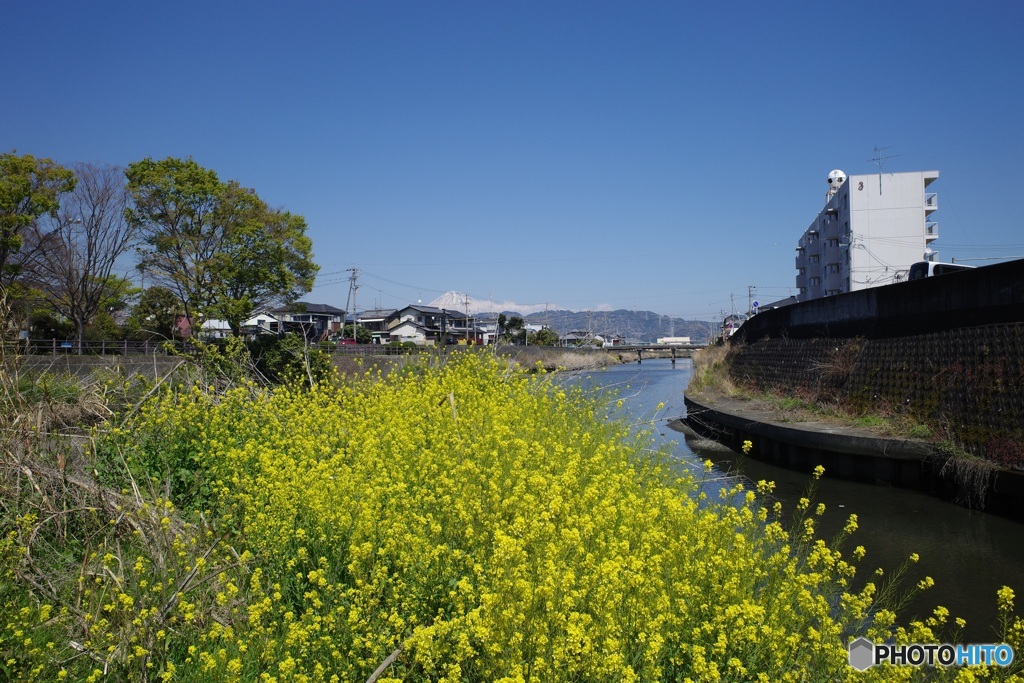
[648, 155]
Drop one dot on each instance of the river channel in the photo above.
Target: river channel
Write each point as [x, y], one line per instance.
[969, 554]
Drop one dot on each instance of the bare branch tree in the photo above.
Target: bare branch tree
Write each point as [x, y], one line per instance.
[70, 258]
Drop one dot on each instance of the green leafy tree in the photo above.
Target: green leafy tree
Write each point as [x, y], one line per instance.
[174, 202]
[515, 330]
[103, 327]
[29, 188]
[154, 314]
[217, 245]
[266, 257]
[43, 324]
[362, 335]
[545, 337]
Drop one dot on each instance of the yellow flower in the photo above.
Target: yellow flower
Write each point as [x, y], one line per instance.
[1005, 599]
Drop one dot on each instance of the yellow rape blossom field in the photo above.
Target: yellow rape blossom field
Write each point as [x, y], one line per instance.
[457, 521]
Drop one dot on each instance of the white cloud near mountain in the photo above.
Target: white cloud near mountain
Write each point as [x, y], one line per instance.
[459, 301]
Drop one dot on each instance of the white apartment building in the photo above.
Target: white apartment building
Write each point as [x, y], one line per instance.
[871, 229]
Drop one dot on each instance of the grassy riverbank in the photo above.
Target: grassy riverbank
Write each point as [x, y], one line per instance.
[529, 358]
[456, 520]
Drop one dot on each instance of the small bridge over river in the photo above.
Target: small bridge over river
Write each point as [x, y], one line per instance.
[672, 351]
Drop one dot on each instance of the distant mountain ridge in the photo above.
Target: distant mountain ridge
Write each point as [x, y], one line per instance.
[633, 326]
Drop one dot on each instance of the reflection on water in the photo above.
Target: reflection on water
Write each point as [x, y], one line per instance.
[970, 554]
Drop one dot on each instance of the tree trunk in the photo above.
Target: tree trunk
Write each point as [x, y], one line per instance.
[80, 327]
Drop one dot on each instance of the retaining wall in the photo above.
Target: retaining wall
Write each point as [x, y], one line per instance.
[982, 296]
[946, 351]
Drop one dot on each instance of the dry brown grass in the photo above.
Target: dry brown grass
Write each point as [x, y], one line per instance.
[711, 372]
[556, 358]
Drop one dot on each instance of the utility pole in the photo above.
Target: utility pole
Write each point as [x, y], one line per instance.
[750, 297]
[466, 301]
[353, 290]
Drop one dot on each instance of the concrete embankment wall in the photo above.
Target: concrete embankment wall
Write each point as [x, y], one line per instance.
[851, 454]
[152, 366]
[979, 297]
[945, 351]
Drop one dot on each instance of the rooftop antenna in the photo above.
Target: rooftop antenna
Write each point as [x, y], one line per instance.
[878, 159]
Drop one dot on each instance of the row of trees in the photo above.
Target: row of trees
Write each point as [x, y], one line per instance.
[215, 247]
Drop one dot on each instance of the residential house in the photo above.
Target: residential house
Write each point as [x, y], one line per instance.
[261, 322]
[315, 321]
[376, 321]
[580, 338]
[426, 325]
[486, 330]
[216, 329]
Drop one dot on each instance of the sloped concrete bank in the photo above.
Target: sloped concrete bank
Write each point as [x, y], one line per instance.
[858, 455]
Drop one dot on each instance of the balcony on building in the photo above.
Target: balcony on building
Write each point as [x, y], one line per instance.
[830, 226]
[931, 202]
[931, 231]
[833, 270]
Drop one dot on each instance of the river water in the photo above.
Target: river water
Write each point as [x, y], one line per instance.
[969, 554]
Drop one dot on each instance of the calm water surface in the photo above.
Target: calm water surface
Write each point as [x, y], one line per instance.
[970, 554]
